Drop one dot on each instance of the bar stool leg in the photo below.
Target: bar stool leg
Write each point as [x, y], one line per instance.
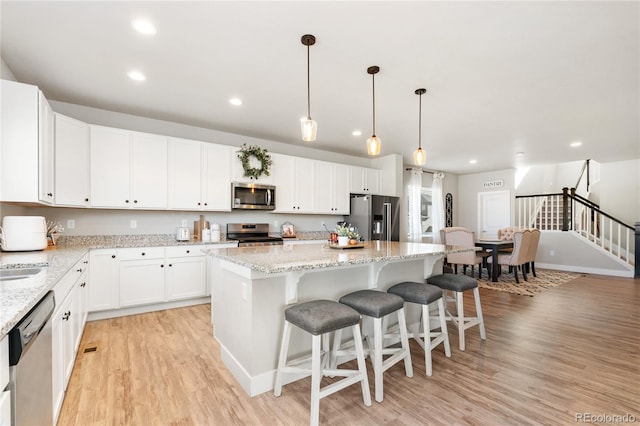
[476, 296]
[404, 340]
[282, 360]
[376, 357]
[427, 340]
[443, 327]
[316, 377]
[362, 367]
[460, 313]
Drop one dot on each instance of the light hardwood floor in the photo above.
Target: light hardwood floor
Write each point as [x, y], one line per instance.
[572, 349]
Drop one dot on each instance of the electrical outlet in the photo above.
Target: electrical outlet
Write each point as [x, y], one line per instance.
[134, 224]
[275, 224]
[71, 224]
[185, 223]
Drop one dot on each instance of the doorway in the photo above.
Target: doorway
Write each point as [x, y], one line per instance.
[494, 212]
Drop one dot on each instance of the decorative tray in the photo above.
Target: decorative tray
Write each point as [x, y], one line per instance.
[353, 246]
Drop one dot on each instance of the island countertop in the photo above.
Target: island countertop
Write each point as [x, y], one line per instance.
[278, 259]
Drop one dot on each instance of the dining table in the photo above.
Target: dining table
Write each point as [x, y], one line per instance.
[494, 246]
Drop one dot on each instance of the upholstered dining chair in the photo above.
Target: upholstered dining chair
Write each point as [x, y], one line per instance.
[533, 250]
[459, 236]
[520, 254]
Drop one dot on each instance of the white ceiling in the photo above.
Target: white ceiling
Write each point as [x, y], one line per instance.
[501, 77]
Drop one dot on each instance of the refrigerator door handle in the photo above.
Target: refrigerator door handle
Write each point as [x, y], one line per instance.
[387, 220]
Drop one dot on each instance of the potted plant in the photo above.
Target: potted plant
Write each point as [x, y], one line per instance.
[347, 235]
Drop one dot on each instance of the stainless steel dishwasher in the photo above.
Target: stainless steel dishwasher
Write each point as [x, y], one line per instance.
[30, 366]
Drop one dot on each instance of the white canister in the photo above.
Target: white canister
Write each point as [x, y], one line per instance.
[206, 235]
[215, 233]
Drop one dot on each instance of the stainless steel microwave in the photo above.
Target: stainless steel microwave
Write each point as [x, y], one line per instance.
[253, 196]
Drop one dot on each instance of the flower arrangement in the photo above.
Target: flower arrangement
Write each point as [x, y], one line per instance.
[346, 230]
[246, 152]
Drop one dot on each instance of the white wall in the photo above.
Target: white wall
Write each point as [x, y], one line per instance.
[5, 72]
[468, 188]
[620, 190]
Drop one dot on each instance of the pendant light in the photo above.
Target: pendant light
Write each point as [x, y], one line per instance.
[309, 127]
[374, 142]
[420, 156]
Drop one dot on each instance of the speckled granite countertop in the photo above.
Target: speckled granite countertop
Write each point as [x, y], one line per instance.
[277, 259]
[17, 297]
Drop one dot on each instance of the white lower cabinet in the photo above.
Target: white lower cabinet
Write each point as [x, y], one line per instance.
[67, 325]
[131, 277]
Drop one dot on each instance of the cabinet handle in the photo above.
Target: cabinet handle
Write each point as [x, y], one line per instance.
[86, 199]
[170, 265]
[50, 194]
[143, 253]
[206, 204]
[85, 262]
[188, 251]
[135, 201]
[113, 256]
[199, 203]
[162, 266]
[79, 270]
[126, 201]
[83, 284]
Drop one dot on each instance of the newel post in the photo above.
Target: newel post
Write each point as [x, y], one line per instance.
[565, 209]
[637, 246]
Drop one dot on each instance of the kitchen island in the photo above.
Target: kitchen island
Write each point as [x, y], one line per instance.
[252, 286]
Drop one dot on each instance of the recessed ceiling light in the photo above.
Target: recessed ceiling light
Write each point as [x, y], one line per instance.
[356, 133]
[520, 154]
[136, 75]
[575, 144]
[143, 26]
[473, 161]
[235, 101]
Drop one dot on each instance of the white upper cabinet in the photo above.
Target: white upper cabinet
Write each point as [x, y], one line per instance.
[45, 150]
[364, 180]
[26, 138]
[294, 184]
[199, 175]
[128, 169]
[71, 162]
[331, 188]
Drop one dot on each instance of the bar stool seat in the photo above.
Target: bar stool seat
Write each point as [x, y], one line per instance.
[318, 318]
[459, 284]
[424, 295]
[377, 305]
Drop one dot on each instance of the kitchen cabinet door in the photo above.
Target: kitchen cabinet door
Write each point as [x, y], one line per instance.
[186, 277]
[45, 150]
[185, 171]
[71, 162]
[103, 279]
[141, 282]
[364, 180]
[295, 184]
[110, 167]
[216, 179]
[149, 171]
[331, 188]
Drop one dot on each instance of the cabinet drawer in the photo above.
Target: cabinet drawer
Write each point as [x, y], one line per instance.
[4, 363]
[185, 251]
[141, 253]
[79, 270]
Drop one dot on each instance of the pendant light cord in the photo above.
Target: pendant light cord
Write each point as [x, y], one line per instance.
[373, 79]
[420, 123]
[308, 86]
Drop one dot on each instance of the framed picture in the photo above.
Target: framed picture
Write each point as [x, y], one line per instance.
[288, 230]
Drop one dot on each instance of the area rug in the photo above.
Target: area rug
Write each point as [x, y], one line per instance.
[545, 279]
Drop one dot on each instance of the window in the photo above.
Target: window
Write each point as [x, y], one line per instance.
[426, 211]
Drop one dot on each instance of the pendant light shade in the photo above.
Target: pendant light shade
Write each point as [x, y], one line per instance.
[374, 142]
[308, 126]
[419, 155]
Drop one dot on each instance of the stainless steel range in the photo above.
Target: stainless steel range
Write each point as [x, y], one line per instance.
[251, 234]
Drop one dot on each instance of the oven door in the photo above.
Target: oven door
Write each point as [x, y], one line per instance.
[253, 197]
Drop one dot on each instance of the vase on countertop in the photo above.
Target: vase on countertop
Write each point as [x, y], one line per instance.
[343, 241]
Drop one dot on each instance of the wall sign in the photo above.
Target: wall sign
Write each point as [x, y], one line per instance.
[493, 184]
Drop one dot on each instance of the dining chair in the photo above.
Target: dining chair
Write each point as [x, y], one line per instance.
[459, 236]
[520, 254]
[533, 250]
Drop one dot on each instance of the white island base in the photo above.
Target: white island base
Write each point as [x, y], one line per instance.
[249, 295]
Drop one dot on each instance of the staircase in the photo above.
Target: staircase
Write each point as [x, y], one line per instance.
[570, 212]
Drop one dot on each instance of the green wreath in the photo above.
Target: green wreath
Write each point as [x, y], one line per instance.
[245, 154]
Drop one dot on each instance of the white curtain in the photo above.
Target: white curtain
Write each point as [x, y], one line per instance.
[414, 197]
[437, 206]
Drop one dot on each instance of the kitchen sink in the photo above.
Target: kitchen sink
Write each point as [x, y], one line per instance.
[18, 273]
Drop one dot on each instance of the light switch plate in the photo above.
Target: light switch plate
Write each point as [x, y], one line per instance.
[71, 224]
[134, 224]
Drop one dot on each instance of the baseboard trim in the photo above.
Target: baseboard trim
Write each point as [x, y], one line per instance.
[582, 269]
[134, 310]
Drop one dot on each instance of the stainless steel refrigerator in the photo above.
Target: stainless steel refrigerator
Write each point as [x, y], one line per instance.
[376, 217]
